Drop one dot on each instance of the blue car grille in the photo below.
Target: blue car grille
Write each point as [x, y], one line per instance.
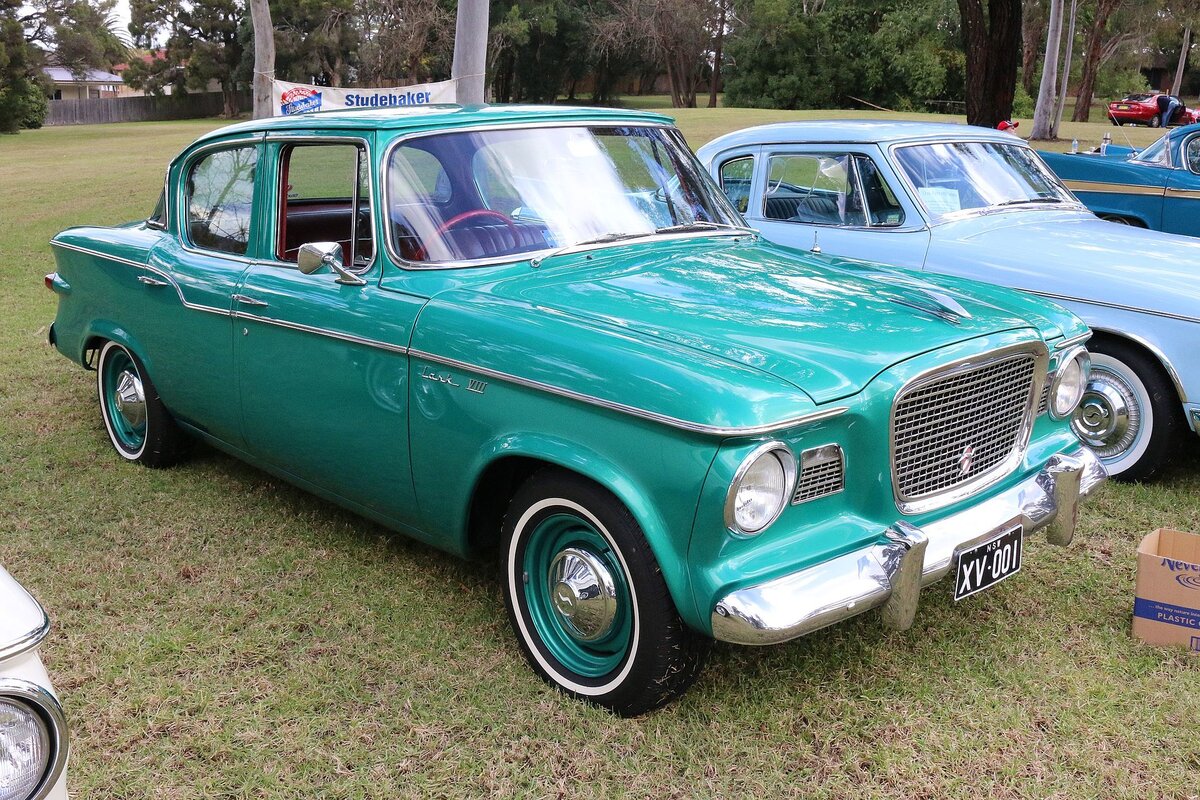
[954, 428]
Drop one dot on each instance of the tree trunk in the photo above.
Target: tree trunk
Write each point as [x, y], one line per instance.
[993, 49]
[469, 67]
[264, 57]
[1043, 114]
[715, 81]
[229, 100]
[1066, 73]
[1183, 54]
[1091, 60]
[1032, 31]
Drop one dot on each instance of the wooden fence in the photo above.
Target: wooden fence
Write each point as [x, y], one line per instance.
[140, 109]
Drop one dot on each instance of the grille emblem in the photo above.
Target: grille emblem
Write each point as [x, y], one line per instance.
[966, 460]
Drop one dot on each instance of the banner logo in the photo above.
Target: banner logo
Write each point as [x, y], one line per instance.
[299, 100]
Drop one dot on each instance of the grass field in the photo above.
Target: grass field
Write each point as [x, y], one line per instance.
[220, 634]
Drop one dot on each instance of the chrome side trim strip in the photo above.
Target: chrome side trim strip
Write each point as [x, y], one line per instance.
[1074, 340]
[1101, 187]
[345, 337]
[674, 422]
[50, 709]
[138, 265]
[1118, 306]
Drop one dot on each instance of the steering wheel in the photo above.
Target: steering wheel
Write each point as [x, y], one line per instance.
[474, 213]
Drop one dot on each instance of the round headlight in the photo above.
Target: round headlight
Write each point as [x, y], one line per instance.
[1069, 383]
[760, 488]
[25, 750]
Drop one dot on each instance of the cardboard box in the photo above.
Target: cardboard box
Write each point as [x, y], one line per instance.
[1166, 610]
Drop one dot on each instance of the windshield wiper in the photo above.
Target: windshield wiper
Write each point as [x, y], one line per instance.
[536, 261]
[703, 225]
[1045, 198]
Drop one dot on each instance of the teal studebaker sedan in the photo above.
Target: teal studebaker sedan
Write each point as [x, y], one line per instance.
[546, 334]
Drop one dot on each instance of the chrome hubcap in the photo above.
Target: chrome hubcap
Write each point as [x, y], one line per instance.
[1108, 418]
[583, 594]
[130, 399]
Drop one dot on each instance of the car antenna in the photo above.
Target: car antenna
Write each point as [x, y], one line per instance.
[816, 248]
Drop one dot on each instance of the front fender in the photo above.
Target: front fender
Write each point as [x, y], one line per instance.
[669, 546]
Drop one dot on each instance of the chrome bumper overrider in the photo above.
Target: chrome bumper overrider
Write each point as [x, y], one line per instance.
[891, 573]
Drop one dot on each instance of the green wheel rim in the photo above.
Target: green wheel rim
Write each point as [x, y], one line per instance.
[130, 435]
[550, 537]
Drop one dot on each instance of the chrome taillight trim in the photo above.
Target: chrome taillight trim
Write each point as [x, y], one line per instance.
[1040, 356]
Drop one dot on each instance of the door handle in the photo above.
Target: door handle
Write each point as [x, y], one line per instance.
[249, 301]
[146, 279]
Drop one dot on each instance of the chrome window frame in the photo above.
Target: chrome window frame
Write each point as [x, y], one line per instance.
[941, 499]
[966, 213]
[254, 140]
[151, 222]
[302, 139]
[514, 258]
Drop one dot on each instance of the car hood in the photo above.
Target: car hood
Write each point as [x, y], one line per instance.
[22, 619]
[827, 326]
[1074, 254]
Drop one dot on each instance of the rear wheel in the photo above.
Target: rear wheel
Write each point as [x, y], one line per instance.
[587, 598]
[138, 424]
[1129, 413]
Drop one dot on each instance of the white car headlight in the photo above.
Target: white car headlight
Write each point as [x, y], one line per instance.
[26, 749]
[1069, 382]
[760, 488]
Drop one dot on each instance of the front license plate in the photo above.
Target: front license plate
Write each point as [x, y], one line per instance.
[985, 565]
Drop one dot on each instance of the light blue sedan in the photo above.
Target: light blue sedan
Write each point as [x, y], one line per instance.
[981, 204]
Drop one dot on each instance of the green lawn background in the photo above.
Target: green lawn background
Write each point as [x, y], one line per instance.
[221, 634]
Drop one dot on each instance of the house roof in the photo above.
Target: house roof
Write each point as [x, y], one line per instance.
[64, 75]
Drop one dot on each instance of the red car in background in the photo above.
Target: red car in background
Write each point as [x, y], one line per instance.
[1144, 109]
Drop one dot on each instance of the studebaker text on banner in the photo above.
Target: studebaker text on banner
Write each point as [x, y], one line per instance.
[301, 98]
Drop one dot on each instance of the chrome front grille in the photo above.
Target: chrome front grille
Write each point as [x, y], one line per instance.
[1044, 402]
[822, 473]
[957, 426]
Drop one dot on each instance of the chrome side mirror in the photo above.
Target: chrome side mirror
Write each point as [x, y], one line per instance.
[314, 255]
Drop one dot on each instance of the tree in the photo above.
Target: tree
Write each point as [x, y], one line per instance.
[316, 41]
[1101, 45]
[77, 34]
[1066, 72]
[264, 57]
[404, 39]
[676, 33]
[1043, 115]
[991, 39]
[1033, 28]
[204, 43]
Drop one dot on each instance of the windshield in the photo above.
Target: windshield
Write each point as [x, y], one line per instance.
[1157, 153]
[951, 177]
[497, 194]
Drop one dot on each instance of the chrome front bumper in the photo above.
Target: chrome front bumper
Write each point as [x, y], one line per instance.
[891, 573]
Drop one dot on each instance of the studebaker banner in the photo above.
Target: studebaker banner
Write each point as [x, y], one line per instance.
[302, 98]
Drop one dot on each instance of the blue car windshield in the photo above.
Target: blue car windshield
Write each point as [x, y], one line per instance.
[952, 178]
[499, 194]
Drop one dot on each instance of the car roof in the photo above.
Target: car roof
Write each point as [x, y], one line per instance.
[848, 131]
[435, 116]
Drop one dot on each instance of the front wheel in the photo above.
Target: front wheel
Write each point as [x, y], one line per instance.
[587, 599]
[138, 424]
[1129, 413]
[1155, 121]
